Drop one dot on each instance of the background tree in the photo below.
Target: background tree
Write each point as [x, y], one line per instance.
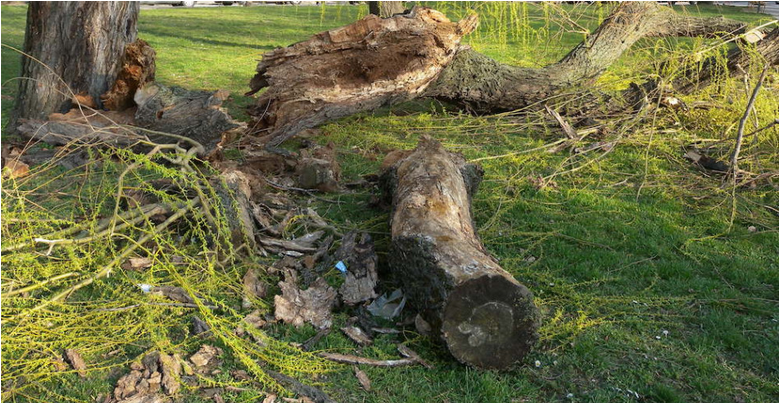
[76, 46]
[385, 9]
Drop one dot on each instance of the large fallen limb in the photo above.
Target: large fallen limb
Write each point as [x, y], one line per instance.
[355, 68]
[486, 317]
[486, 85]
[376, 61]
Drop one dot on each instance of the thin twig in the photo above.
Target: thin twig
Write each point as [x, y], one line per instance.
[741, 129]
[349, 359]
[106, 270]
[40, 284]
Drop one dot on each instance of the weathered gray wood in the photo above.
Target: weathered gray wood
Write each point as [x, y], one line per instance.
[79, 45]
[486, 317]
[195, 114]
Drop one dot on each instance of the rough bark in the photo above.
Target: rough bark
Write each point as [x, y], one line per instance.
[386, 9]
[355, 68]
[485, 316]
[195, 114]
[78, 47]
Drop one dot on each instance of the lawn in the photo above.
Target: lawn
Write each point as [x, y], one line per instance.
[656, 282]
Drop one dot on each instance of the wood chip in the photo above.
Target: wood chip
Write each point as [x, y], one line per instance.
[313, 305]
[269, 399]
[137, 263]
[357, 335]
[15, 169]
[75, 360]
[363, 379]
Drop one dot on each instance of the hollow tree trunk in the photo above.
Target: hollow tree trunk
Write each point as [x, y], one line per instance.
[486, 317]
[386, 9]
[79, 47]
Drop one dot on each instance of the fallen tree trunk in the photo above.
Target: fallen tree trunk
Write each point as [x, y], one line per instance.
[485, 85]
[486, 317]
[375, 62]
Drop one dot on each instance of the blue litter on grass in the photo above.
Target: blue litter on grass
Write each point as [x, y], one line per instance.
[341, 266]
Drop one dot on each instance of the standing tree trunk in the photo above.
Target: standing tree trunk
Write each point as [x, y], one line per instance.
[79, 48]
[386, 9]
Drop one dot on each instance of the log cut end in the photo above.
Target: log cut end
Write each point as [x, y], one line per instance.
[490, 322]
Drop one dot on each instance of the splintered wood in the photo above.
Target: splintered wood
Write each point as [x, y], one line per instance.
[355, 68]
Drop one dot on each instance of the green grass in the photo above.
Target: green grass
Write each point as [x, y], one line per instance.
[632, 244]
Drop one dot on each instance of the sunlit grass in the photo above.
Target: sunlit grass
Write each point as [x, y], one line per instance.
[649, 277]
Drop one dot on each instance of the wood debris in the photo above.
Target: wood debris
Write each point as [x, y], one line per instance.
[350, 359]
[206, 359]
[137, 263]
[409, 353]
[313, 305]
[361, 262]
[75, 360]
[157, 373]
[357, 335]
[254, 288]
[364, 380]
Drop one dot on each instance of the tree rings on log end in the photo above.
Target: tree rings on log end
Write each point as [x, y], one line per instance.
[490, 322]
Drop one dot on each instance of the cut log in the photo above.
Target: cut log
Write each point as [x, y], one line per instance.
[485, 316]
[355, 68]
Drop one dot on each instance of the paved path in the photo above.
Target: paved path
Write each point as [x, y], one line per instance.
[770, 7]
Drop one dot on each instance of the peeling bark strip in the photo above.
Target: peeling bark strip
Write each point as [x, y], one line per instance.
[486, 317]
[355, 68]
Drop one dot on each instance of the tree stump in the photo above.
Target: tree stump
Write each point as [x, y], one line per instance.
[486, 317]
